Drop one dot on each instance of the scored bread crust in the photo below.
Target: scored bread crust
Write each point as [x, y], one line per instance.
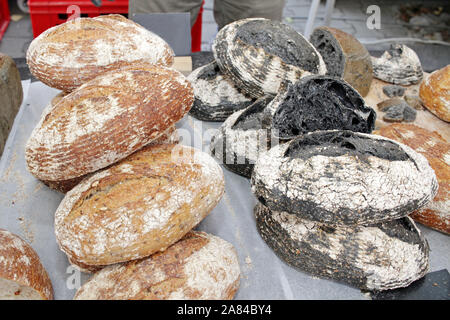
[105, 120]
[139, 206]
[435, 93]
[20, 263]
[200, 266]
[436, 214]
[68, 55]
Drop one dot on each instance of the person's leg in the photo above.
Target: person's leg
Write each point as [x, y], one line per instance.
[150, 6]
[227, 11]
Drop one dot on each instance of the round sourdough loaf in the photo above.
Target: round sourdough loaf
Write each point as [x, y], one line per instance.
[345, 57]
[320, 103]
[199, 266]
[435, 93]
[105, 120]
[242, 137]
[375, 257]
[436, 214]
[398, 65]
[22, 276]
[344, 177]
[259, 55]
[72, 53]
[169, 136]
[216, 96]
[138, 206]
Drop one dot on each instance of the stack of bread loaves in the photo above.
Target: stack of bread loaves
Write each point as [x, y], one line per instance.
[335, 204]
[133, 196]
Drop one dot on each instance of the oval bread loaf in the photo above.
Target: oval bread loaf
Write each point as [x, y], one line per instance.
[435, 93]
[259, 55]
[22, 276]
[381, 256]
[70, 54]
[436, 214]
[199, 266]
[344, 178]
[139, 206]
[105, 120]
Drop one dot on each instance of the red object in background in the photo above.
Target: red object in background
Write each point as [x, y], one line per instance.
[4, 17]
[47, 14]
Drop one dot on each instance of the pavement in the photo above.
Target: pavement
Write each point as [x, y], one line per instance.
[433, 23]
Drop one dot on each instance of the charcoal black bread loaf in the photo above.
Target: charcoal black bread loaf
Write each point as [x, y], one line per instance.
[216, 96]
[345, 57]
[260, 54]
[343, 178]
[242, 137]
[321, 103]
[376, 257]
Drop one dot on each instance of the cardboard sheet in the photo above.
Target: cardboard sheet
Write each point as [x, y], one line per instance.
[27, 208]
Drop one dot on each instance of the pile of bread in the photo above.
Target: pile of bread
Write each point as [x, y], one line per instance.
[133, 195]
[333, 199]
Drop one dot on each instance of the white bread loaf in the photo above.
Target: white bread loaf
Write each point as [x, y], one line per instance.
[22, 276]
[139, 206]
[105, 120]
[199, 266]
[70, 54]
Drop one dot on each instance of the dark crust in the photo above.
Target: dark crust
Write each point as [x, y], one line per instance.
[254, 117]
[207, 112]
[301, 254]
[279, 40]
[322, 103]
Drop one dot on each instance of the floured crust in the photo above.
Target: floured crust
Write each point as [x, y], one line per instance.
[169, 136]
[139, 206]
[68, 55]
[254, 68]
[105, 120]
[435, 93]
[376, 257]
[347, 187]
[436, 214]
[20, 266]
[199, 266]
[216, 96]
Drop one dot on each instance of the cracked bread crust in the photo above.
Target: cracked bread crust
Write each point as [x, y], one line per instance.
[375, 257]
[73, 53]
[344, 178]
[138, 206]
[200, 266]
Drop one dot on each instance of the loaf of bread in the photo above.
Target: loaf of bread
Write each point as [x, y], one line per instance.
[382, 256]
[70, 54]
[320, 103]
[435, 93]
[345, 57]
[343, 178]
[259, 55]
[138, 206]
[199, 266]
[10, 96]
[436, 214]
[105, 120]
[169, 136]
[216, 96]
[22, 276]
[242, 137]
